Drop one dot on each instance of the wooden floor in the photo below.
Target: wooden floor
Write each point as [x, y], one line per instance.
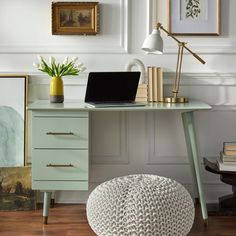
[70, 220]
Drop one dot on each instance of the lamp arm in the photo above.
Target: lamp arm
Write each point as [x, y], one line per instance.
[159, 26]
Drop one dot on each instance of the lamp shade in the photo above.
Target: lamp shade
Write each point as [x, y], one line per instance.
[153, 43]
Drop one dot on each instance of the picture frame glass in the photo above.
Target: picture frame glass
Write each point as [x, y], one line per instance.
[75, 18]
[194, 17]
[13, 117]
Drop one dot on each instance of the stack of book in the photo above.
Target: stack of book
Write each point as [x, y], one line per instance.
[142, 93]
[227, 159]
[155, 84]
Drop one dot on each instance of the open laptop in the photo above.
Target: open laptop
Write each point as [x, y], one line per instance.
[111, 89]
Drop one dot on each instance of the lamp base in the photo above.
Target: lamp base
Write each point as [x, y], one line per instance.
[176, 100]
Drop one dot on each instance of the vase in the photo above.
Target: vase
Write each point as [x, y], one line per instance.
[56, 90]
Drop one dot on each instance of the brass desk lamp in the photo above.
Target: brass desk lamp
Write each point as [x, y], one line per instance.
[154, 44]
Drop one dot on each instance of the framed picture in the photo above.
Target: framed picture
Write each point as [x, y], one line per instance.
[75, 18]
[13, 120]
[16, 193]
[194, 17]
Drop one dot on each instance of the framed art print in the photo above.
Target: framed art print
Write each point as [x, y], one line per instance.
[13, 120]
[194, 17]
[16, 192]
[75, 18]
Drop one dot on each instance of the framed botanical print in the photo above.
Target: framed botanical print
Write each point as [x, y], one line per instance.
[75, 18]
[194, 17]
[13, 120]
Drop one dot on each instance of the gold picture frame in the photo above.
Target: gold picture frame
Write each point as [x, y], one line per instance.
[75, 18]
[14, 120]
[203, 20]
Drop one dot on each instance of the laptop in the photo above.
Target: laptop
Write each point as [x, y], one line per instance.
[112, 89]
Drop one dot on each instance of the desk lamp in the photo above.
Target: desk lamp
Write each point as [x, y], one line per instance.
[154, 44]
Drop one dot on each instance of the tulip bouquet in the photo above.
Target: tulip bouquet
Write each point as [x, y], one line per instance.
[57, 71]
[54, 69]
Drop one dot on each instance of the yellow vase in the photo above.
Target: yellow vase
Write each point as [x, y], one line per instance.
[56, 90]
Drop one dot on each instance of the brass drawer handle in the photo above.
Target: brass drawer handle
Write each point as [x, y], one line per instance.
[55, 133]
[52, 165]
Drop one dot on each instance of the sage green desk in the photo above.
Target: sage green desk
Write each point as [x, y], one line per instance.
[60, 155]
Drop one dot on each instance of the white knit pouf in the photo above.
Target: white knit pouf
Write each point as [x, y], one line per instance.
[146, 205]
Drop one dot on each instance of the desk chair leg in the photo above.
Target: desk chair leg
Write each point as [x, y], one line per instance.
[192, 149]
[46, 205]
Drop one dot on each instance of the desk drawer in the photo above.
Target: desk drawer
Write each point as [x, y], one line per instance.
[60, 132]
[64, 165]
[59, 185]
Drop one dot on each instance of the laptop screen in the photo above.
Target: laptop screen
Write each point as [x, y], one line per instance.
[112, 87]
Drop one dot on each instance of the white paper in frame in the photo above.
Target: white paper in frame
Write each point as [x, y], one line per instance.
[195, 17]
[13, 120]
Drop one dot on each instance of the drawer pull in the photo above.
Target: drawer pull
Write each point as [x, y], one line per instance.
[52, 165]
[54, 133]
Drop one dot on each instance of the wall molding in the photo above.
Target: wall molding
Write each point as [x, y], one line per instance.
[152, 137]
[122, 157]
[187, 79]
[220, 46]
[120, 48]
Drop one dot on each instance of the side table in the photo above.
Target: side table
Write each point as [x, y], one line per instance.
[227, 204]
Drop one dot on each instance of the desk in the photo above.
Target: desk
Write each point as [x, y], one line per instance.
[60, 132]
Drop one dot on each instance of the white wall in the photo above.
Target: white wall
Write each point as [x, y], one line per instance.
[131, 144]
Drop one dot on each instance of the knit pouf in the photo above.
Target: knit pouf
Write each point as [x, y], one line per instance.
[146, 205]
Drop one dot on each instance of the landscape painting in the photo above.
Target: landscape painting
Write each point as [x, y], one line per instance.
[15, 189]
[13, 120]
[75, 18]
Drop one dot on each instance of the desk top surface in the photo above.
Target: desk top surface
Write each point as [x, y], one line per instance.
[192, 105]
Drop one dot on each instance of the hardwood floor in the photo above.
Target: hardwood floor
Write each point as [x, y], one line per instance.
[70, 220]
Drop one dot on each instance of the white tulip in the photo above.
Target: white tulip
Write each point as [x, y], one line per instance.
[52, 60]
[74, 59]
[80, 65]
[40, 58]
[83, 69]
[41, 66]
[36, 65]
[65, 62]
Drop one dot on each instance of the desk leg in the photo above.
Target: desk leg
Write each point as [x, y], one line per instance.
[52, 202]
[192, 149]
[46, 205]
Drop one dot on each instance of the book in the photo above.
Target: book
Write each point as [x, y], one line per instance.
[160, 97]
[142, 94]
[225, 167]
[227, 158]
[230, 152]
[154, 83]
[150, 89]
[229, 146]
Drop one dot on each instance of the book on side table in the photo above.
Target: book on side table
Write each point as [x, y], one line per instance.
[227, 159]
[226, 166]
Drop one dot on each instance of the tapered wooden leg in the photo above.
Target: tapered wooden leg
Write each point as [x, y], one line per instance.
[52, 204]
[190, 156]
[45, 220]
[192, 149]
[46, 205]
